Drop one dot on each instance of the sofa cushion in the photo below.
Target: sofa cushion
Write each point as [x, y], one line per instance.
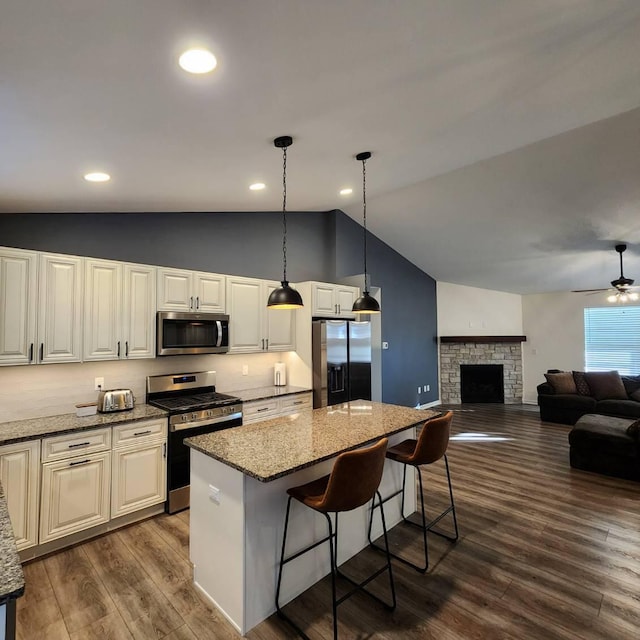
[635, 395]
[631, 384]
[587, 404]
[562, 382]
[606, 385]
[581, 383]
[627, 408]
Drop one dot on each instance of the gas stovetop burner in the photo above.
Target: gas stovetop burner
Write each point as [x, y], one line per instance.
[197, 401]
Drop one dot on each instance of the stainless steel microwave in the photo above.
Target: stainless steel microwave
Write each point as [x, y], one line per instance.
[191, 333]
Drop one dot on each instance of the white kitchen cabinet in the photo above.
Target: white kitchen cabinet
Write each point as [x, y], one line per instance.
[59, 324]
[75, 495]
[182, 290]
[20, 479]
[252, 327]
[139, 466]
[259, 410]
[332, 300]
[18, 291]
[119, 310]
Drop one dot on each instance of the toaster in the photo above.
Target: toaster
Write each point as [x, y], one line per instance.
[115, 400]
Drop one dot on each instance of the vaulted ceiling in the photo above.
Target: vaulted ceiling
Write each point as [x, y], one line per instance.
[505, 135]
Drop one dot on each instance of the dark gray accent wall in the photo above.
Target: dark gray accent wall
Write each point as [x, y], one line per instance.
[409, 317]
[325, 246]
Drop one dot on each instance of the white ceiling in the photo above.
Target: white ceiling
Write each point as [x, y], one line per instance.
[505, 133]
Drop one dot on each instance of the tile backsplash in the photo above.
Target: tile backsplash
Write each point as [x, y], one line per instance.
[34, 391]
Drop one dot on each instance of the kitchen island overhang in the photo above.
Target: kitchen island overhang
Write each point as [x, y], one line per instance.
[239, 479]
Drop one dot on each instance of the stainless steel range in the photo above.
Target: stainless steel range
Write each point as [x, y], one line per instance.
[194, 408]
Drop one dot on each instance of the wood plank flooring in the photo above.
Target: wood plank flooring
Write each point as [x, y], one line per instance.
[545, 553]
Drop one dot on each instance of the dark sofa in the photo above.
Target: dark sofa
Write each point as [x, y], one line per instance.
[604, 393]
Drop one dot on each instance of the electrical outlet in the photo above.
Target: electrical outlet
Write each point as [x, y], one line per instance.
[214, 494]
[385, 345]
[245, 369]
[99, 384]
[419, 389]
[427, 387]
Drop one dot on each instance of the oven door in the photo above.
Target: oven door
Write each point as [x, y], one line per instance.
[178, 457]
[191, 333]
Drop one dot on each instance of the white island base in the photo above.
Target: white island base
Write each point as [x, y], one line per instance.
[236, 527]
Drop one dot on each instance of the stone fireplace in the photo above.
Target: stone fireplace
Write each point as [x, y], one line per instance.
[480, 350]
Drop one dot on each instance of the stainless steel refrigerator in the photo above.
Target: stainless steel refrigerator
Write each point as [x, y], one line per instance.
[341, 361]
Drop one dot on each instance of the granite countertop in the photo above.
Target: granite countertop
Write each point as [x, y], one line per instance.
[30, 429]
[275, 448]
[262, 393]
[11, 576]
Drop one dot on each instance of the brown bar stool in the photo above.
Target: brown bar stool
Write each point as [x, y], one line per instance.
[353, 481]
[430, 446]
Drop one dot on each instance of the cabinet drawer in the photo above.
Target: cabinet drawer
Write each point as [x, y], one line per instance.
[295, 403]
[254, 411]
[76, 444]
[128, 434]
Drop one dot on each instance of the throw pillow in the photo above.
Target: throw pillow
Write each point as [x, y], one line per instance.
[606, 385]
[561, 382]
[631, 384]
[581, 383]
[633, 429]
[635, 395]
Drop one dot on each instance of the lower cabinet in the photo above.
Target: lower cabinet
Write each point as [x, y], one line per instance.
[138, 478]
[75, 495]
[20, 478]
[259, 410]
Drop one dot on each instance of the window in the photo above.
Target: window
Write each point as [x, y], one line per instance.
[612, 339]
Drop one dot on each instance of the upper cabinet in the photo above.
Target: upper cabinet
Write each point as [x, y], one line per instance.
[18, 290]
[119, 310]
[252, 327]
[182, 290]
[332, 300]
[59, 309]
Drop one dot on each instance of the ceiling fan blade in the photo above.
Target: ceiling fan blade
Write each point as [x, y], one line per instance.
[589, 290]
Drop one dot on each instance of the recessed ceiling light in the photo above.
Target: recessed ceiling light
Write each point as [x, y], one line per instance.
[346, 192]
[198, 61]
[257, 186]
[97, 176]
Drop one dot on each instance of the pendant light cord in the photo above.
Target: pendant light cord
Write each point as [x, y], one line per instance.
[364, 216]
[284, 212]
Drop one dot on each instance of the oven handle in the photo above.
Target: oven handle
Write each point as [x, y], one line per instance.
[181, 426]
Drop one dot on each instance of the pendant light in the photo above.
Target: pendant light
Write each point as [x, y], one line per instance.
[365, 303]
[284, 297]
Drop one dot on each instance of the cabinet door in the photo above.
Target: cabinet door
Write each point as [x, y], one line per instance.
[103, 310]
[209, 291]
[280, 329]
[345, 297]
[20, 478]
[138, 477]
[246, 305]
[60, 309]
[174, 290]
[323, 300]
[75, 495]
[139, 312]
[18, 288]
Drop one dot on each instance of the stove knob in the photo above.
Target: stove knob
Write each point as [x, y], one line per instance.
[194, 416]
[209, 413]
[184, 417]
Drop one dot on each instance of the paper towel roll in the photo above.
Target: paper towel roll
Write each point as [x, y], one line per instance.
[280, 374]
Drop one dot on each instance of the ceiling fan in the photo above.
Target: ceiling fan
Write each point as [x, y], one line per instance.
[623, 289]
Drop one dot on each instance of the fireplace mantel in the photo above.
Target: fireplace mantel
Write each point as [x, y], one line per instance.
[483, 339]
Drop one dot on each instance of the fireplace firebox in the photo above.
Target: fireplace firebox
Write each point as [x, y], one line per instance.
[482, 383]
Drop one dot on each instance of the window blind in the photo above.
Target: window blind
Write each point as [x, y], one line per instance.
[612, 339]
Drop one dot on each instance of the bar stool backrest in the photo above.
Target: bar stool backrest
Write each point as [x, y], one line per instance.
[354, 479]
[433, 440]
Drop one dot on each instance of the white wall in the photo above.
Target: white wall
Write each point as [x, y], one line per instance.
[554, 326]
[469, 311]
[33, 391]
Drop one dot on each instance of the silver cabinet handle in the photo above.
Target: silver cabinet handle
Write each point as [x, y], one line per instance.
[79, 444]
[75, 464]
[263, 409]
[142, 433]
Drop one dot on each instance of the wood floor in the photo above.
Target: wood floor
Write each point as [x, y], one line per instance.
[545, 552]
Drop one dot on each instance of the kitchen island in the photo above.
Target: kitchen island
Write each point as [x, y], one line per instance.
[239, 482]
